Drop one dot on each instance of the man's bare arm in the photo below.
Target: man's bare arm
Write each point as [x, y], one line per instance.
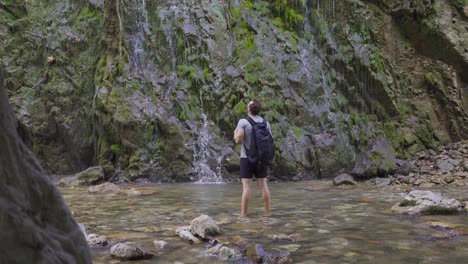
[239, 135]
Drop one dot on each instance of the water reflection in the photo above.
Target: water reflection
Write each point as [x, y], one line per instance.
[332, 225]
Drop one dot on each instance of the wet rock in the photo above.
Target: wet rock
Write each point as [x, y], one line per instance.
[184, 233]
[97, 241]
[159, 244]
[125, 251]
[203, 226]
[132, 193]
[344, 179]
[427, 202]
[382, 182]
[106, 187]
[254, 252]
[224, 251]
[454, 229]
[378, 160]
[90, 176]
[292, 237]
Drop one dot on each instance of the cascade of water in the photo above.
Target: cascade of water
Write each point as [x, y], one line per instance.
[137, 37]
[201, 154]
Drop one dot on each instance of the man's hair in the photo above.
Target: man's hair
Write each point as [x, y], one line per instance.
[254, 107]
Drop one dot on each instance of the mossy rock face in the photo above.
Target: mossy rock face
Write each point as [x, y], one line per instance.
[348, 78]
[378, 160]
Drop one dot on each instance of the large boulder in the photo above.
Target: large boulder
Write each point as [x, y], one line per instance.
[378, 160]
[35, 223]
[90, 176]
[204, 227]
[427, 202]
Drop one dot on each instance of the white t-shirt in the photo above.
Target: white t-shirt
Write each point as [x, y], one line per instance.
[244, 124]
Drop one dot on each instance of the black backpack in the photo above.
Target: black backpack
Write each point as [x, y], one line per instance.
[262, 148]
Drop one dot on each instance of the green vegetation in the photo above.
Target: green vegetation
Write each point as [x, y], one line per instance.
[439, 210]
[406, 203]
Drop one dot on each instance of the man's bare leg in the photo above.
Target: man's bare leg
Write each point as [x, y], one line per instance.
[246, 193]
[263, 185]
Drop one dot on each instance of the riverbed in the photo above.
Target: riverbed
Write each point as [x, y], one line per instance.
[335, 225]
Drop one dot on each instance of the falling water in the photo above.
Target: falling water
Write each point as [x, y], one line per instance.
[201, 155]
[137, 37]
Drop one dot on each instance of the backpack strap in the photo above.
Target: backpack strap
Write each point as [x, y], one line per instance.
[251, 121]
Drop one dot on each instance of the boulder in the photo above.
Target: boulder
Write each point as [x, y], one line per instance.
[427, 202]
[344, 179]
[378, 160]
[90, 176]
[97, 241]
[36, 225]
[106, 187]
[124, 251]
[204, 227]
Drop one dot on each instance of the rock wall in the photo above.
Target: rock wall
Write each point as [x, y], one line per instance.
[160, 85]
[36, 225]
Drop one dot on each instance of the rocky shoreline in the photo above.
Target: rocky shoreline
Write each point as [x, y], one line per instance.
[445, 166]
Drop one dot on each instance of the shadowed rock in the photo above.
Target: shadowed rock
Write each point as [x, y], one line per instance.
[36, 225]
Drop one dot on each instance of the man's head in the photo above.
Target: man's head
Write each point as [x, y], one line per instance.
[254, 107]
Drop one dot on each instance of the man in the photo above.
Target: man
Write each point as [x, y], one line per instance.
[243, 135]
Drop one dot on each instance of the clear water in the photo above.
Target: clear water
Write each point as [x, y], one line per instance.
[336, 225]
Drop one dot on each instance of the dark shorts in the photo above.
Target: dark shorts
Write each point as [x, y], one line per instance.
[247, 170]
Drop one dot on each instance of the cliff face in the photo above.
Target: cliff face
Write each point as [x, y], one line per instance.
[156, 87]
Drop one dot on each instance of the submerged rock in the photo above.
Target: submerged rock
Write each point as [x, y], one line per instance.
[106, 187]
[184, 233]
[427, 202]
[159, 244]
[126, 251]
[203, 226]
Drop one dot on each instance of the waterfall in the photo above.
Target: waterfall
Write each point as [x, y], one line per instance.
[137, 37]
[202, 153]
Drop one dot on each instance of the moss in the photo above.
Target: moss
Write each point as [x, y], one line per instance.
[439, 210]
[406, 203]
[249, 5]
[297, 131]
[136, 86]
[240, 109]
[425, 134]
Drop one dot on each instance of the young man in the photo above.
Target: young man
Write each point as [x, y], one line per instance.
[243, 135]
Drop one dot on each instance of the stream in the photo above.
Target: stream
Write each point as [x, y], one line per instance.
[336, 225]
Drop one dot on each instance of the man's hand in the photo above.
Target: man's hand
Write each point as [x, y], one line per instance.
[239, 135]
